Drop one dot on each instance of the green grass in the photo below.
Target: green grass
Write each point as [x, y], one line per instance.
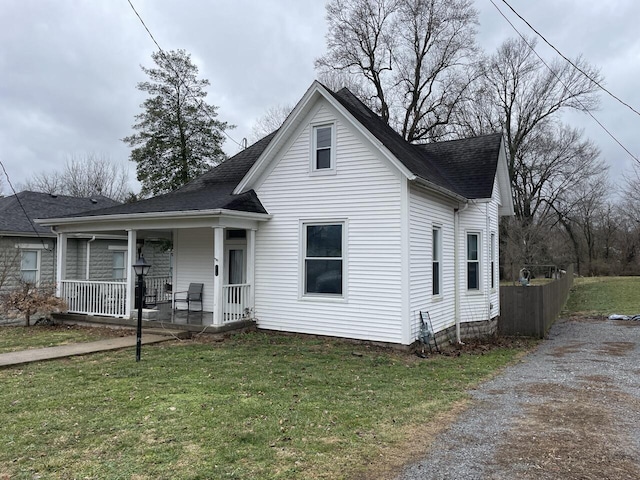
[604, 296]
[255, 406]
[38, 336]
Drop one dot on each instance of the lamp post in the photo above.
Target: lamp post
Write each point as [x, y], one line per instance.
[141, 268]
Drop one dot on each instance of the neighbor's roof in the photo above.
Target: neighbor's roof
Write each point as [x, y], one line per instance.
[43, 205]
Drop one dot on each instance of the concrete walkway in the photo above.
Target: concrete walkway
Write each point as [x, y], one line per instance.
[70, 350]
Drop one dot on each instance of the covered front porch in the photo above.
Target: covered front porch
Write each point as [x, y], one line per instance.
[215, 249]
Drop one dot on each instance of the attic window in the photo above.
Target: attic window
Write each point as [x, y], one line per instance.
[323, 149]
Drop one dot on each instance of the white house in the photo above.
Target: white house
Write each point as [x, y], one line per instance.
[332, 225]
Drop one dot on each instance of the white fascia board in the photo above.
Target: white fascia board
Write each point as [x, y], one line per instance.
[504, 183]
[26, 234]
[289, 125]
[155, 220]
[315, 91]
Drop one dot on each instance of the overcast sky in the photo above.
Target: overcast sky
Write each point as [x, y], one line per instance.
[69, 68]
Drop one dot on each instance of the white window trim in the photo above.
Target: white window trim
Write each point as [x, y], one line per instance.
[118, 248]
[439, 260]
[38, 252]
[479, 290]
[494, 278]
[32, 246]
[124, 268]
[322, 297]
[312, 154]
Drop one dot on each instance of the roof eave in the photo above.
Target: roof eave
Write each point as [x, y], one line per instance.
[177, 214]
[438, 189]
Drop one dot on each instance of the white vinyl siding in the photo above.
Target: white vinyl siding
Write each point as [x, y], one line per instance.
[366, 193]
[424, 212]
[193, 252]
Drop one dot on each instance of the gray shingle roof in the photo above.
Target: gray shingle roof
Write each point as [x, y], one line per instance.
[43, 205]
[210, 191]
[466, 167]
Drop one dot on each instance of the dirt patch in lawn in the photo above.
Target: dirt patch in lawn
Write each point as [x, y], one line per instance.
[572, 436]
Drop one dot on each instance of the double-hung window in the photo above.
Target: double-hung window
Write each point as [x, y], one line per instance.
[323, 263]
[30, 266]
[473, 261]
[119, 266]
[436, 260]
[323, 150]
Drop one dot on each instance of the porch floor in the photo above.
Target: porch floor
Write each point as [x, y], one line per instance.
[163, 316]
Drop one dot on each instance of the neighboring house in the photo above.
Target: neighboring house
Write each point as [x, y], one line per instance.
[333, 225]
[28, 250]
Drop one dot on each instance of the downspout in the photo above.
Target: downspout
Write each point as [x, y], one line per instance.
[456, 270]
[86, 275]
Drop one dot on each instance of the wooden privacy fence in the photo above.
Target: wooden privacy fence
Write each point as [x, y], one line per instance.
[530, 311]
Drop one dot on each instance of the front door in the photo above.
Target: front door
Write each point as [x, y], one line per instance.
[235, 274]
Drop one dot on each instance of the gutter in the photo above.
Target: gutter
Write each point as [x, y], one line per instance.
[89, 256]
[437, 188]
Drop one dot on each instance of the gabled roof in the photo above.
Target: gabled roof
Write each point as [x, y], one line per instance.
[39, 205]
[464, 169]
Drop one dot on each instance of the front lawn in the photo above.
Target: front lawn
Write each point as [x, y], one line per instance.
[14, 338]
[260, 406]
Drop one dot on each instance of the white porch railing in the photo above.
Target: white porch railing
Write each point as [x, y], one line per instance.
[95, 298]
[158, 286]
[235, 302]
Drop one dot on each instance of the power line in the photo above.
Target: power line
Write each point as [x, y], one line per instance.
[570, 62]
[564, 85]
[166, 59]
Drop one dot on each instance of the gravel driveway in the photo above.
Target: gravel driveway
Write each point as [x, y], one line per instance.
[569, 410]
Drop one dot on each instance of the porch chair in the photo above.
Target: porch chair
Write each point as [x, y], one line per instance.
[193, 295]
[427, 335]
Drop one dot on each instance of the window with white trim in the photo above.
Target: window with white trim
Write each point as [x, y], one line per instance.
[436, 260]
[323, 263]
[119, 268]
[493, 260]
[30, 266]
[323, 150]
[473, 261]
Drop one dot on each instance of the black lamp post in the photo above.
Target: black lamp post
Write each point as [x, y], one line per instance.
[141, 268]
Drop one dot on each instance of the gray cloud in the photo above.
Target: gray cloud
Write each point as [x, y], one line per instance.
[68, 69]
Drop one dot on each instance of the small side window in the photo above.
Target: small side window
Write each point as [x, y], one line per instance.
[473, 261]
[323, 149]
[436, 260]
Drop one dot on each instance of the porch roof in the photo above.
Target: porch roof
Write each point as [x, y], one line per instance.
[212, 191]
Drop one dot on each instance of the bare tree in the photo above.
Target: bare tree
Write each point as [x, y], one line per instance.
[411, 58]
[84, 176]
[272, 120]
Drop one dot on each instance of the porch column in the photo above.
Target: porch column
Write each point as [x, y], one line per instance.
[132, 236]
[61, 261]
[218, 272]
[251, 272]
